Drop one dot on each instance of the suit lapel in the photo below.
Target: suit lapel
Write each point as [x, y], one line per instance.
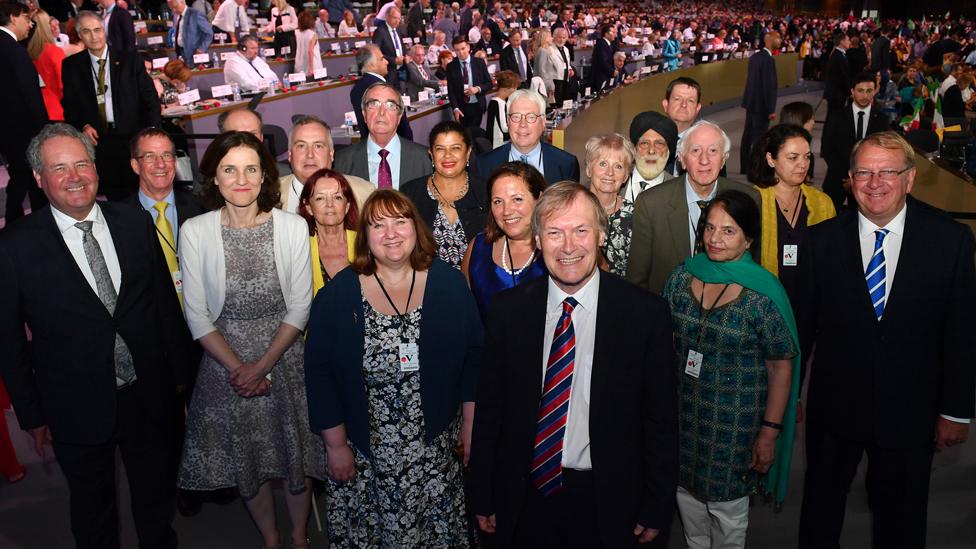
[851, 263]
[62, 255]
[603, 347]
[912, 248]
[678, 220]
[125, 255]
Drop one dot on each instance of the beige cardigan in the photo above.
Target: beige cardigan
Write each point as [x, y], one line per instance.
[204, 275]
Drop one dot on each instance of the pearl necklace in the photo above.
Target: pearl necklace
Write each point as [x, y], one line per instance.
[505, 262]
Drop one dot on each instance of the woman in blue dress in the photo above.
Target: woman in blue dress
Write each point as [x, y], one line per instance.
[672, 51]
[504, 254]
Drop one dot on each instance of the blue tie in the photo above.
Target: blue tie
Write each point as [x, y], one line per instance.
[524, 159]
[875, 273]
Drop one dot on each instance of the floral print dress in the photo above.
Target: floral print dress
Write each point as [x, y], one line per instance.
[620, 227]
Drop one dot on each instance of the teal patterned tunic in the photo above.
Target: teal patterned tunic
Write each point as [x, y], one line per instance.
[720, 411]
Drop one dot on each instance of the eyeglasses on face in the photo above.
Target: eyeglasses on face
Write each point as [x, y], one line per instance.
[389, 105]
[888, 175]
[151, 158]
[529, 117]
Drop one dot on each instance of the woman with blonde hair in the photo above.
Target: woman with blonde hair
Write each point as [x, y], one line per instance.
[47, 58]
[283, 22]
[545, 65]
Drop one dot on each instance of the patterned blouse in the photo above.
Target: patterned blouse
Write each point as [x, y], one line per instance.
[449, 237]
[620, 227]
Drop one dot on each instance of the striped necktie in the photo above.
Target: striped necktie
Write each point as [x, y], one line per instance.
[547, 471]
[875, 273]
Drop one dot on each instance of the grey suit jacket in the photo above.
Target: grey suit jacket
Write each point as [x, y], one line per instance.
[414, 161]
[660, 240]
[416, 82]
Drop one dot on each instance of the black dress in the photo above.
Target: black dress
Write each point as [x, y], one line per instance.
[494, 119]
[472, 208]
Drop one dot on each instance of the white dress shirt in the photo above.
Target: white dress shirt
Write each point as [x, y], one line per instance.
[434, 51]
[576, 440]
[180, 24]
[373, 157]
[228, 15]
[474, 35]
[892, 250]
[534, 157]
[109, 110]
[72, 239]
[694, 212]
[867, 116]
[290, 204]
[638, 184]
[248, 75]
[149, 204]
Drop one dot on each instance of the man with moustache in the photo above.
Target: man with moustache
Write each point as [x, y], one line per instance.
[655, 137]
[575, 439]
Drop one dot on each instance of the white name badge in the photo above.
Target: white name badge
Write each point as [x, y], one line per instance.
[201, 58]
[268, 52]
[789, 255]
[488, 51]
[587, 91]
[360, 43]
[423, 95]
[694, 363]
[336, 46]
[178, 281]
[160, 62]
[221, 91]
[409, 357]
[186, 98]
[704, 58]
[285, 50]
[296, 77]
[226, 55]
[319, 74]
[568, 104]
[154, 40]
[100, 99]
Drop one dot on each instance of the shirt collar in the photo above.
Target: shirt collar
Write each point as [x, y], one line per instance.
[65, 221]
[586, 296]
[692, 197]
[896, 226]
[533, 154]
[380, 76]
[149, 203]
[372, 148]
[866, 110]
[10, 32]
[94, 58]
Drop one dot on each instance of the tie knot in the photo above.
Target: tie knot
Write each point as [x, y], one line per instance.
[569, 304]
[84, 226]
[524, 159]
[161, 207]
[384, 153]
[880, 234]
[101, 63]
[702, 204]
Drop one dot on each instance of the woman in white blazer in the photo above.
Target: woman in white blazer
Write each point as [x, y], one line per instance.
[548, 65]
[247, 289]
[283, 22]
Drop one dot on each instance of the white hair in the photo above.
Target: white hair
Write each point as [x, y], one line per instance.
[527, 94]
[683, 140]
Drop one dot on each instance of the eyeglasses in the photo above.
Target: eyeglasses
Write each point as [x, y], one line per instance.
[389, 104]
[530, 118]
[151, 158]
[888, 175]
[645, 145]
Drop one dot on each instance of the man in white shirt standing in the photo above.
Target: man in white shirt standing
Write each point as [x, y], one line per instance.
[575, 439]
[246, 67]
[231, 18]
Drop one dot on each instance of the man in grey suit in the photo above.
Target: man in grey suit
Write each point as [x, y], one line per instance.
[384, 158]
[418, 77]
[666, 216]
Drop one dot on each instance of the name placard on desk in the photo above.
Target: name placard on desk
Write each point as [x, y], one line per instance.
[336, 46]
[285, 50]
[221, 91]
[296, 77]
[268, 52]
[220, 36]
[423, 95]
[645, 70]
[201, 58]
[251, 11]
[406, 100]
[154, 41]
[139, 26]
[319, 74]
[568, 104]
[224, 56]
[188, 97]
[159, 62]
[360, 43]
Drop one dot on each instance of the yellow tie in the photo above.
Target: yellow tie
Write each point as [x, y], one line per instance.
[165, 232]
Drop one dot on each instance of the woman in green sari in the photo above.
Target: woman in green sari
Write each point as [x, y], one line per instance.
[738, 370]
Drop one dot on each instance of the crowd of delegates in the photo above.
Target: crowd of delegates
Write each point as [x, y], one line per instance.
[386, 259]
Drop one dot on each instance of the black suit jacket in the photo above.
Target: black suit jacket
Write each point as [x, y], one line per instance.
[886, 381]
[65, 376]
[857, 60]
[557, 164]
[356, 97]
[417, 21]
[839, 138]
[383, 40]
[633, 409]
[455, 83]
[760, 94]
[837, 79]
[507, 62]
[602, 64]
[187, 205]
[121, 32]
[134, 100]
[21, 105]
[881, 54]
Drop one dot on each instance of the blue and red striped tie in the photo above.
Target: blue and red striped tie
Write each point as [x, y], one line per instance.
[547, 470]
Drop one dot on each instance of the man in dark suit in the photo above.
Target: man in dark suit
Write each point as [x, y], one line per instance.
[881, 55]
[526, 124]
[857, 55]
[759, 97]
[383, 158]
[387, 39]
[21, 108]
[580, 449]
[111, 99]
[108, 343]
[845, 128]
[893, 374]
[514, 58]
[418, 77]
[666, 217]
[602, 63]
[372, 69]
[468, 81]
[837, 78]
[417, 21]
[119, 29]
[566, 22]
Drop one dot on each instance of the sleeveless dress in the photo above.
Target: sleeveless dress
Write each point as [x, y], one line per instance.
[243, 442]
[488, 278]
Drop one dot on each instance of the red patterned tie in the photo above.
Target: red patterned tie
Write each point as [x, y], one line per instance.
[547, 470]
[385, 178]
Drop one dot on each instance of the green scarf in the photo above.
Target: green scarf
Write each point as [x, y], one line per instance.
[748, 274]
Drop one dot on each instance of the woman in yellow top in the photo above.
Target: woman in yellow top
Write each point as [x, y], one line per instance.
[781, 160]
[329, 207]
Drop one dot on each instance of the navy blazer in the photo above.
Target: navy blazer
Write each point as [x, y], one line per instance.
[197, 34]
[120, 31]
[760, 93]
[455, 83]
[557, 164]
[450, 354]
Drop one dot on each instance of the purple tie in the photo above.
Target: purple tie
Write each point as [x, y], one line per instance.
[385, 178]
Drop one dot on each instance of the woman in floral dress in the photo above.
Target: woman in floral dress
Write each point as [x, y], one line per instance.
[609, 162]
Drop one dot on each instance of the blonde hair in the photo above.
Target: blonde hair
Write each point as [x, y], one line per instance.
[887, 140]
[42, 34]
[607, 143]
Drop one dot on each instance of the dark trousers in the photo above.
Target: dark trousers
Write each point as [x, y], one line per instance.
[833, 186]
[897, 483]
[116, 180]
[146, 446]
[756, 125]
[21, 184]
[472, 115]
[564, 520]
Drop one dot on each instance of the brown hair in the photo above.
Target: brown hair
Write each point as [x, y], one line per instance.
[558, 197]
[270, 193]
[305, 21]
[352, 216]
[528, 174]
[177, 70]
[391, 203]
[508, 79]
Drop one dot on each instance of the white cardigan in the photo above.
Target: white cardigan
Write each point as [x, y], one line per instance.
[204, 275]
